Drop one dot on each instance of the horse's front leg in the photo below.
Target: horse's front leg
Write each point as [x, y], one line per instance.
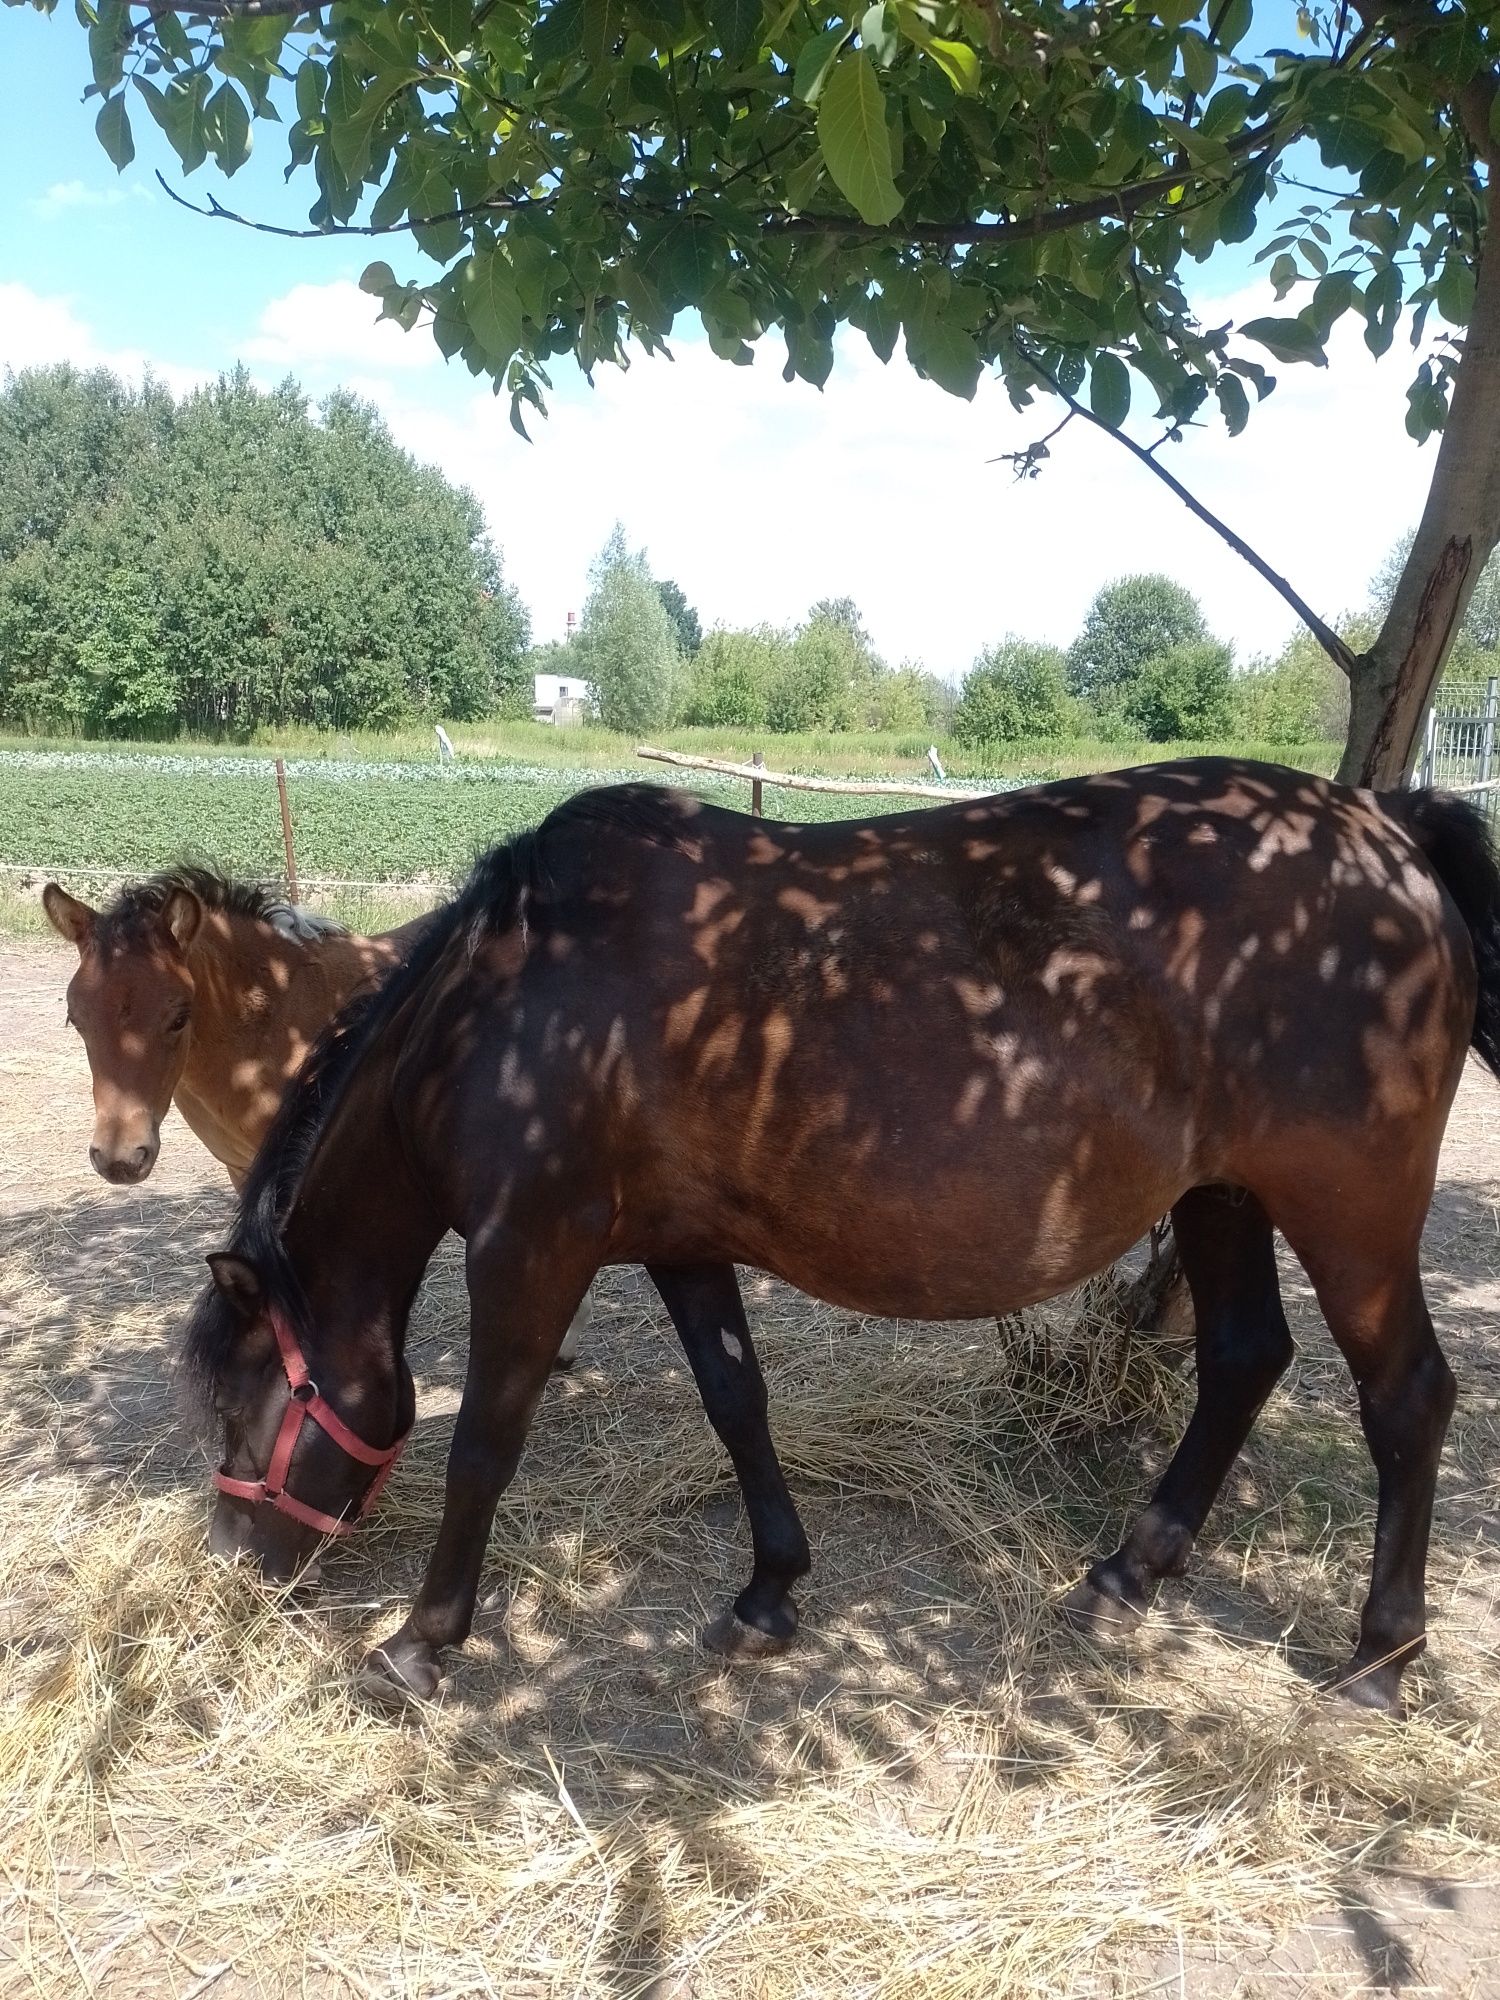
[521, 1300]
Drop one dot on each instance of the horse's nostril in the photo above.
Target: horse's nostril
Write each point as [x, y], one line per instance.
[96, 1159]
[140, 1159]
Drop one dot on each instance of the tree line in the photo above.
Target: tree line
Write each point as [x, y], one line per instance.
[1144, 664]
[231, 560]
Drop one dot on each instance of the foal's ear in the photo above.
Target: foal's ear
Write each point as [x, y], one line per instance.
[68, 917]
[180, 917]
[238, 1282]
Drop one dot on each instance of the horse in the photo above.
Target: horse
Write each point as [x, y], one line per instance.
[201, 991]
[929, 1065]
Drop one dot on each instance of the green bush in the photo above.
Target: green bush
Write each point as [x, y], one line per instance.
[1131, 621]
[230, 562]
[1185, 692]
[1016, 693]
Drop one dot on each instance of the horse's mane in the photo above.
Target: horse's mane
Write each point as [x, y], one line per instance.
[491, 901]
[138, 904]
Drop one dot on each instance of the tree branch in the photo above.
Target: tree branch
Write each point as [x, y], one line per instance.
[1118, 202]
[1341, 654]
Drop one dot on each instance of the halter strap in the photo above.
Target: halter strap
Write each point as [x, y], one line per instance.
[306, 1401]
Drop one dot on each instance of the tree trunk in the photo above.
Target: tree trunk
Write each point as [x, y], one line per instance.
[1459, 528]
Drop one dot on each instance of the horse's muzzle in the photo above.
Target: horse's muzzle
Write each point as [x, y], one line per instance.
[123, 1169]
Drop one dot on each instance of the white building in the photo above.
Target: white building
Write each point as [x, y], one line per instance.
[559, 698]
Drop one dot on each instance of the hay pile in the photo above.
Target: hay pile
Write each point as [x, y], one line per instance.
[938, 1793]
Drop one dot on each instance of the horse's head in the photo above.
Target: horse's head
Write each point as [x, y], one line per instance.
[131, 999]
[301, 1460]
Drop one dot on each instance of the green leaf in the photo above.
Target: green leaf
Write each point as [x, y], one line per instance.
[178, 110]
[602, 24]
[943, 351]
[452, 21]
[802, 183]
[229, 122]
[1233, 402]
[1455, 288]
[109, 38]
[855, 140]
[1109, 389]
[814, 61]
[112, 128]
[558, 33]
[1287, 339]
[1332, 297]
[377, 278]
[879, 34]
[1075, 152]
[487, 288]
[1200, 66]
[310, 80]
[736, 26]
[355, 112]
[958, 63]
[882, 323]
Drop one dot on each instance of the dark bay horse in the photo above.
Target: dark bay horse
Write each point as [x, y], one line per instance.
[935, 1065]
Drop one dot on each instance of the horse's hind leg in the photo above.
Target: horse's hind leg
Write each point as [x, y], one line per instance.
[1243, 1345]
[709, 1315]
[1369, 1287]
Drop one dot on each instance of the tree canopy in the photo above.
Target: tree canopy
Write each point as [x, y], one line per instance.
[626, 647]
[227, 562]
[1014, 187]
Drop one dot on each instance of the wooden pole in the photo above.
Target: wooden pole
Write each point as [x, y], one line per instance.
[286, 832]
[758, 774]
[755, 800]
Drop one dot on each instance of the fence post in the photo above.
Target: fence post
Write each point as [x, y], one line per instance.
[1427, 769]
[286, 831]
[755, 800]
[1487, 743]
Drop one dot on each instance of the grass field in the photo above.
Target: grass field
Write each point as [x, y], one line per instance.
[382, 810]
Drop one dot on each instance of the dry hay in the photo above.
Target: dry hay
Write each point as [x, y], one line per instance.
[938, 1793]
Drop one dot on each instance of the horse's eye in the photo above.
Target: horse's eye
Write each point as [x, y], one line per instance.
[178, 1022]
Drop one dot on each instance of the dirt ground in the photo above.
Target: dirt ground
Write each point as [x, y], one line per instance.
[585, 1658]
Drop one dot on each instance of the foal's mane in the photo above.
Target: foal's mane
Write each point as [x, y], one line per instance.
[491, 901]
[138, 904]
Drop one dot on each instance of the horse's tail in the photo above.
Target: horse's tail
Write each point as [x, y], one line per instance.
[1455, 837]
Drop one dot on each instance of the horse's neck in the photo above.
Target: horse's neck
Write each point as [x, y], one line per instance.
[361, 1228]
[260, 1001]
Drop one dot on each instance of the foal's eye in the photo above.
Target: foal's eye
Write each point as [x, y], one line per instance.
[178, 1022]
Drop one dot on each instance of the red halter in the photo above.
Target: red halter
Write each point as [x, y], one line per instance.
[306, 1401]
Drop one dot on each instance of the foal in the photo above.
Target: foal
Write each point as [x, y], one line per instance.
[935, 1065]
[196, 990]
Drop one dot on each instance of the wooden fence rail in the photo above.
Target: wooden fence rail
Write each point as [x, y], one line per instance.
[757, 775]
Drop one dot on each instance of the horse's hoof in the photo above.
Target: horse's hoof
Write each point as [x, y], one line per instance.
[1370, 1690]
[1105, 1619]
[400, 1671]
[732, 1639]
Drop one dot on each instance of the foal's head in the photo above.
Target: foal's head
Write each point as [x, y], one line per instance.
[131, 999]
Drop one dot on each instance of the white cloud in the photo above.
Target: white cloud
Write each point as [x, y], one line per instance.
[65, 196]
[759, 496]
[333, 330]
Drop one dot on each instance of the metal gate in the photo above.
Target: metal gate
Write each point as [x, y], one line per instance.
[1458, 746]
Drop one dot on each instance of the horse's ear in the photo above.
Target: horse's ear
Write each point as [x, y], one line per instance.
[68, 917]
[180, 917]
[238, 1282]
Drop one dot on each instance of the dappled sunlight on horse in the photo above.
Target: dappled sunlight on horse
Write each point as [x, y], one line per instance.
[937, 1066]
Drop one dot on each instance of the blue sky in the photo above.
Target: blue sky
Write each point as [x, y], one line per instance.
[756, 495]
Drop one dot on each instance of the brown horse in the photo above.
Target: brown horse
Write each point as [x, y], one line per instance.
[205, 993]
[196, 990]
[933, 1065]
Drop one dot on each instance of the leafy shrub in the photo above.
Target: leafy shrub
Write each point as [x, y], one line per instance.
[1183, 692]
[1015, 693]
